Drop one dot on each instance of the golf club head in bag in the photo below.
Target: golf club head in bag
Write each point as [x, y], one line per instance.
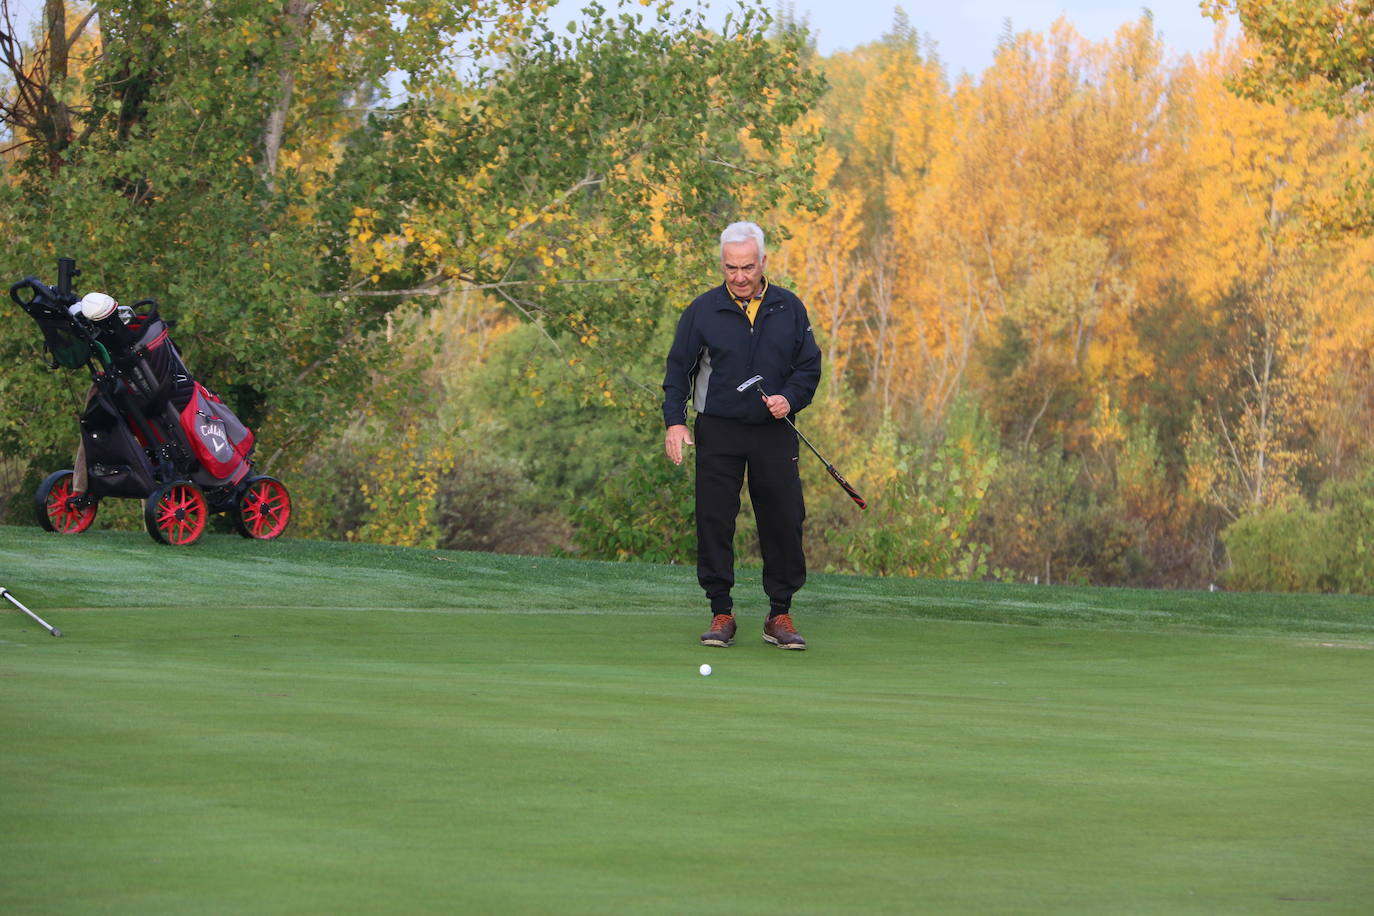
[756, 384]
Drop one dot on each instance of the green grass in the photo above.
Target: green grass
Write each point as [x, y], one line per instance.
[299, 727]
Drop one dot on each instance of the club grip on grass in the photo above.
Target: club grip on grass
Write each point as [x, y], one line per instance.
[853, 493]
[9, 596]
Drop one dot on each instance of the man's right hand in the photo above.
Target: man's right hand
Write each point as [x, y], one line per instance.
[674, 439]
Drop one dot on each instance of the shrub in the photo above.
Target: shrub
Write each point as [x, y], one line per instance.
[1349, 529]
[1043, 521]
[918, 522]
[643, 512]
[484, 502]
[1294, 547]
[1280, 549]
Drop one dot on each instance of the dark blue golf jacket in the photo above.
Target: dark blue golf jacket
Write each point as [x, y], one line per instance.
[715, 349]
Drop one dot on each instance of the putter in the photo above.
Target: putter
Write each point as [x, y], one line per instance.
[755, 383]
[15, 601]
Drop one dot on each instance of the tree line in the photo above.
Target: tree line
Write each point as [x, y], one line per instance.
[1137, 271]
[1099, 314]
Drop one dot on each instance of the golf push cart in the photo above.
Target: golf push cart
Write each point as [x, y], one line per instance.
[149, 430]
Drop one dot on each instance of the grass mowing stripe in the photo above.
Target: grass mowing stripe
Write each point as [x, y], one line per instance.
[338, 758]
[356, 575]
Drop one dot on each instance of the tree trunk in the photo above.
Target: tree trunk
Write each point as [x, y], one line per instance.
[55, 124]
[274, 134]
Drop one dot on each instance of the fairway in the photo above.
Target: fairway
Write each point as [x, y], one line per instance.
[298, 727]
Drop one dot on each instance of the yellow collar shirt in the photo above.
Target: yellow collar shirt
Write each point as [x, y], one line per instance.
[751, 306]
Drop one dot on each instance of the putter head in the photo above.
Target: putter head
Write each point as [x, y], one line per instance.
[748, 383]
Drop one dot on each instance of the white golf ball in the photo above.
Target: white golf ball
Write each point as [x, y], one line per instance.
[705, 670]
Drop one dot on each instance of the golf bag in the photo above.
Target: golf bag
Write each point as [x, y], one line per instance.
[149, 430]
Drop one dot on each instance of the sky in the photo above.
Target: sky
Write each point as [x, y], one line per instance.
[966, 33]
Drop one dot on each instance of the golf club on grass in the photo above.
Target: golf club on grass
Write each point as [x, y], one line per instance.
[15, 601]
[755, 382]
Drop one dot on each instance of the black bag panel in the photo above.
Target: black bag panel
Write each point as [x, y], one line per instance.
[116, 463]
[98, 415]
[153, 367]
[118, 480]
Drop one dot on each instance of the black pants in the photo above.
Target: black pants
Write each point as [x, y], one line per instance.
[725, 449]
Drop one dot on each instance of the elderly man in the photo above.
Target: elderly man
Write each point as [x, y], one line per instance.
[743, 328]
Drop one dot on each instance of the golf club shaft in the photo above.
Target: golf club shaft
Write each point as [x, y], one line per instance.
[4, 592]
[802, 436]
[853, 493]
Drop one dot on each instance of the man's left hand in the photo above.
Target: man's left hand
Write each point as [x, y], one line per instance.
[777, 405]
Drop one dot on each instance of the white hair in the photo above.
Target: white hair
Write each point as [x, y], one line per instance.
[742, 232]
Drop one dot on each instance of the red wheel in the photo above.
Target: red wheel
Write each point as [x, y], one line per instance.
[59, 506]
[262, 509]
[175, 513]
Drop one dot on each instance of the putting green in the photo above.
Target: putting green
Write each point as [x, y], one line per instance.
[351, 730]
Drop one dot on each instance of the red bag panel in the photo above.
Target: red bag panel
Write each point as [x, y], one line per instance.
[219, 441]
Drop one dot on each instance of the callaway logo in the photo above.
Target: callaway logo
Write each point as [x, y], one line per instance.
[212, 431]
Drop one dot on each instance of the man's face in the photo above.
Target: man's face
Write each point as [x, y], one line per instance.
[743, 268]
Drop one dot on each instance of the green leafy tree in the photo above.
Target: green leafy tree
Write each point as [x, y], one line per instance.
[550, 417]
[1314, 54]
[245, 164]
[196, 152]
[612, 154]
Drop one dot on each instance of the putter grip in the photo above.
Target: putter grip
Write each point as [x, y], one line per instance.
[853, 494]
